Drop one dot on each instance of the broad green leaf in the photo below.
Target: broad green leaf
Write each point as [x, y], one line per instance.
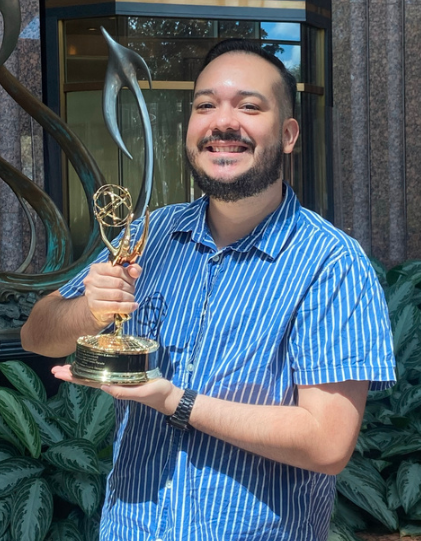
[57, 485]
[32, 511]
[76, 455]
[7, 536]
[415, 512]
[86, 490]
[393, 499]
[64, 530]
[7, 450]
[91, 527]
[24, 379]
[399, 295]
[408, 482]
[7, 434]
[57, 404]
[379, 395]
[411, 529]
[5, 514]
[380, 465]
[409, 400]
[405, 323]
[380, 269]
[410, 353]
[384, 437]
[339, 532]
[15, 470]
[20, 420]
[50, 430]
[362, 484]
[75, 398]
[105, 466]
[404, 447]
[97, 418]
[67, 425]
[348, 514]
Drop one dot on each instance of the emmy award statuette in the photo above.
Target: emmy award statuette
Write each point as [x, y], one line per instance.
[117, 358]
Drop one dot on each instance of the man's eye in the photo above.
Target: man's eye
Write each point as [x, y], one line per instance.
[250, 107]
[204, 106]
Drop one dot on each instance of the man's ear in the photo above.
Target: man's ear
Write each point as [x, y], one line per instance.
[290, 132]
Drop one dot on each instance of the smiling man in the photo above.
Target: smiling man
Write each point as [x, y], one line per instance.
[271, 323]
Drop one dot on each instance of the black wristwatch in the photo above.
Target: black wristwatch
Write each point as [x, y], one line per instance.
[180, 418]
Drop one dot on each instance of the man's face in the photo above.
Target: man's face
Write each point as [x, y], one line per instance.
[234, 138]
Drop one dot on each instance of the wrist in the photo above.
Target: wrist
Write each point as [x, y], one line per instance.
[181, 416]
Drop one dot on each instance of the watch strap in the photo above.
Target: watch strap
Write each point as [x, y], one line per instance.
[180, 418]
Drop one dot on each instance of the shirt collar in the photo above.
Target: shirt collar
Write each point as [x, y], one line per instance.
[269, 237]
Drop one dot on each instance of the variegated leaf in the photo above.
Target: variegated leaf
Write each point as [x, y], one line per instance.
[75, 398]
[409, 400]
[24, 379]
[405, 323]
[7, 536]
[380, 269]
[361, 483]
[349, 515]
[408, 482]
[7, 434]
[32, 511]
[76, 455]
[399, 295]
[5, 514]
[411, 529]
[86, 490]
[57, 404]
[7, 450]
[50, 430]
[64, 530]
[67, 425]
[15, 470]
[339, 532]
[415, 512]
[383, 438]
[97, 418]
[404, 447]
[57, 485]
[19, 419]
[392, 495]
[410, 354]
[91, 527]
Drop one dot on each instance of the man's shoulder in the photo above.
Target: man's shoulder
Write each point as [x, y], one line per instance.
[320, 230]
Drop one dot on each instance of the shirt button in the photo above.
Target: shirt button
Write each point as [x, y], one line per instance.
[168, 484]
[190, 367]
[216, 258]
[158, 539]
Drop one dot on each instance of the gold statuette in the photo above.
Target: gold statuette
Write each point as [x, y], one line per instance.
[116, 357]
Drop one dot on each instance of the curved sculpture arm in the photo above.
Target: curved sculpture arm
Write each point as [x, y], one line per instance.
[122, 69]
[10, 9]
[59, 244]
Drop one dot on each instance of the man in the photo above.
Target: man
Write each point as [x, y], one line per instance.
[271, 325]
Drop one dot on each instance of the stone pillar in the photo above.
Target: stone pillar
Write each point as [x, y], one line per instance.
[371, 101]
[21, 144]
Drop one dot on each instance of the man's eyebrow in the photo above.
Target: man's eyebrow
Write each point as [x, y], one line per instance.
[243, 93]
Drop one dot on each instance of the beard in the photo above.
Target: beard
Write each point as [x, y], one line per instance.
[265, 172]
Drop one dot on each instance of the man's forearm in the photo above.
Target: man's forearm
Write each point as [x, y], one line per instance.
[56, 323]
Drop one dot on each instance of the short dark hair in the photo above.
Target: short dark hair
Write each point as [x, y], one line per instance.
[234, 45]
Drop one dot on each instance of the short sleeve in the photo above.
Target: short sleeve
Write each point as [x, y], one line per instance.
[342, 328]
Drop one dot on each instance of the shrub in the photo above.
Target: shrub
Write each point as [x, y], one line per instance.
[54, 456]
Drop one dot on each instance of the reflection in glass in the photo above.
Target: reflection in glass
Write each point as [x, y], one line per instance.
[280, 31]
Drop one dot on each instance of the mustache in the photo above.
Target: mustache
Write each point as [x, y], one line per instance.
[225, 136]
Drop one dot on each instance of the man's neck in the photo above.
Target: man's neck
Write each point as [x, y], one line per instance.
[230, 222]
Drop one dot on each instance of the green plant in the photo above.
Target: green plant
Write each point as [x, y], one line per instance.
[54, 456]
[382, 482]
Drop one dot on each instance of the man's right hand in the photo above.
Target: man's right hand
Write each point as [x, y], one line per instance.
[110, 290]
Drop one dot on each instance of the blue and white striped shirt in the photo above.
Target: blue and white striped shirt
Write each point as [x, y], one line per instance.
[296, 302]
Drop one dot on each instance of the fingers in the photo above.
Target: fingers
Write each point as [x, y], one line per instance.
[64, 373]
[110, 290]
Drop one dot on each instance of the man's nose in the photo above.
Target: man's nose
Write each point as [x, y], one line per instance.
[225, 119]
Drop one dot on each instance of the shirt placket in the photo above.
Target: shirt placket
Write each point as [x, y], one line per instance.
[212, 271]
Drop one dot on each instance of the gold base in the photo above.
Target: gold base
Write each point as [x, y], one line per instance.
[111, 359]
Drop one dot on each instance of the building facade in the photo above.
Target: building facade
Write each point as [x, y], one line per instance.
[358, 79]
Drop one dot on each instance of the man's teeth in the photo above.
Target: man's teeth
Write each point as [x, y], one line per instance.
[228, 149]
